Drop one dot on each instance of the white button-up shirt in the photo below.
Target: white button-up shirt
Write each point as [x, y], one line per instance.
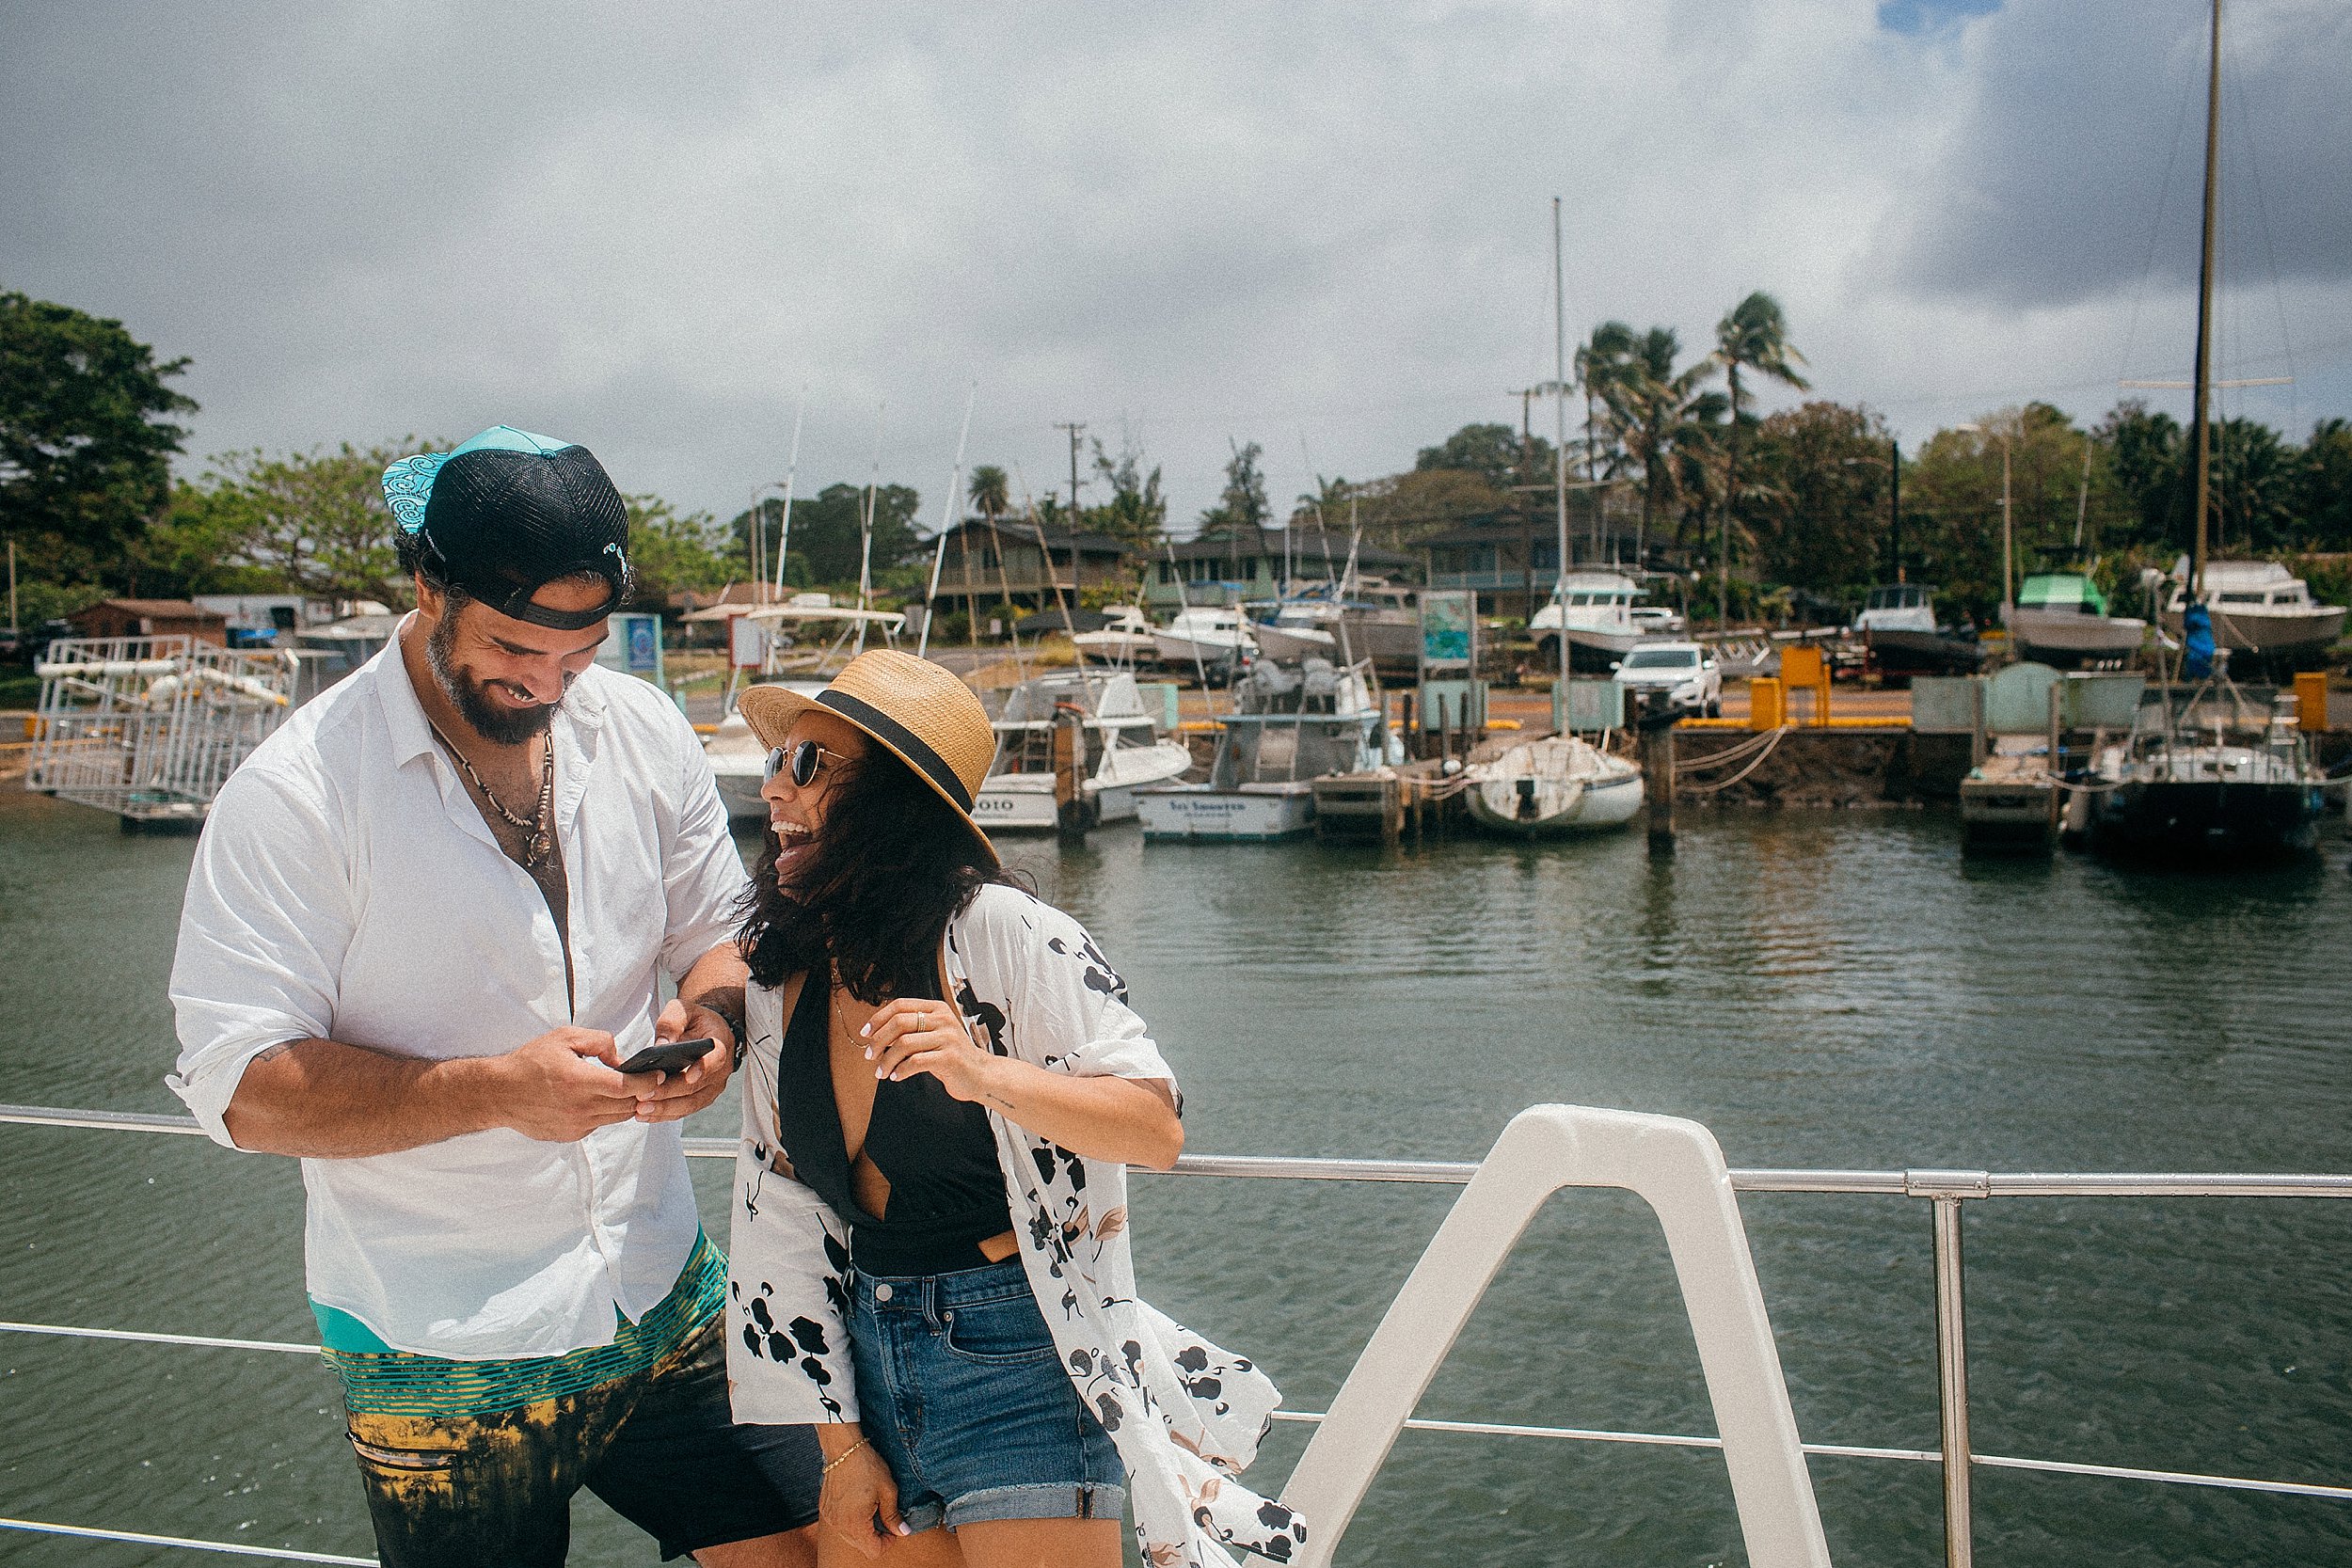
[347, 887]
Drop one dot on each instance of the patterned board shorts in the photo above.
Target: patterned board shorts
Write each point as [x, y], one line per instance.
[471, 1462]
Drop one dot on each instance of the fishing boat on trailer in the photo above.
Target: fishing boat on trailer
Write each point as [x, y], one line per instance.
[1596, 609]
[1124, 639]
[1552, 788]
[1207, 637]
[1300, 629]
[2062, 619]
[1116, 752]
[1898, 629]
[2259, 607]
[1289, 728]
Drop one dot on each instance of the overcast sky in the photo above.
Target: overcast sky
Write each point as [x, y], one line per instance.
[1323, 227]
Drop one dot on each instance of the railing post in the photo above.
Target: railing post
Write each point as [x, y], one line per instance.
[1951, 1362]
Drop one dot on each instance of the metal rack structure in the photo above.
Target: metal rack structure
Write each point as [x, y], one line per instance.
[151, 727]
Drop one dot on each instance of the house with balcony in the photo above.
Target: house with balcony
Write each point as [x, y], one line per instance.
[1256, 563]
[1012, 561]
[1511, 559]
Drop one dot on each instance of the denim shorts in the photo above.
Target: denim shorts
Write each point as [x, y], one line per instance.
[962, 1395]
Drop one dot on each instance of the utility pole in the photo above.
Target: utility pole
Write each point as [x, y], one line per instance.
[14, 625]
[1895, 506]
[1075, 427]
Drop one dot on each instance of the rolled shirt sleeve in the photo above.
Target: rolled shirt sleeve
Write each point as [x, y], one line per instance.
[263, 933]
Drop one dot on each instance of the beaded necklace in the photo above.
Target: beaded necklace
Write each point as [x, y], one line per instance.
[541, 843]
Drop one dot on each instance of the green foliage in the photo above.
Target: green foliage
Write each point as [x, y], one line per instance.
[2324, 494]
[306, 522]
[41, 602]
[826, 531]
[1816, 511]
[1495, 452]
[1241, 505]
[673, 554]
[1136, 512]
[991, 491]
[85, 438]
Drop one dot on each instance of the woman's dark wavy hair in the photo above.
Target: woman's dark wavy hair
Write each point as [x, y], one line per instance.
[890, 866]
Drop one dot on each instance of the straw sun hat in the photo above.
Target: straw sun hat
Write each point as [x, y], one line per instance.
[909, 706]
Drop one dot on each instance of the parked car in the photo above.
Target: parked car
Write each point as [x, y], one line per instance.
[1658, 621]
[1684, 671]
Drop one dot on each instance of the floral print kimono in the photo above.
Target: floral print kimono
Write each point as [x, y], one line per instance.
[1184, 1415]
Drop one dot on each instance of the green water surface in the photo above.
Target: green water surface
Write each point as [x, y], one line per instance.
[1822, 989]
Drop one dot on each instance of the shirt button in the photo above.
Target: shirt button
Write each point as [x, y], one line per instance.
[881, 1292]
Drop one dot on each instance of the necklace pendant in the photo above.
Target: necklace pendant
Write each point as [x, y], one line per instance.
[541, 847]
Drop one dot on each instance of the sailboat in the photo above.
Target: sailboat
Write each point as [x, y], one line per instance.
[2183, 787]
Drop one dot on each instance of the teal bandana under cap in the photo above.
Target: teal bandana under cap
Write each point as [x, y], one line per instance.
[409, 483]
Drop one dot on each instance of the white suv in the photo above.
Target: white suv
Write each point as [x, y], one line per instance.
[1685, 673]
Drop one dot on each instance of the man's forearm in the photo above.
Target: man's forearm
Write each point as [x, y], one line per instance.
[716, 981]
[323, 1099]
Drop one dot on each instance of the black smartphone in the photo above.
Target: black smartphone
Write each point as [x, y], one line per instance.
[669, 1055]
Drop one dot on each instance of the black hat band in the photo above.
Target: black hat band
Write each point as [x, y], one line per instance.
[910, 745]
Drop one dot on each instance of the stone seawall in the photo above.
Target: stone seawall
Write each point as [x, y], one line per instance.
[1823, 768]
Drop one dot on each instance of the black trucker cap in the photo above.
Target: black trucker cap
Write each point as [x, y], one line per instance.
[509, 511]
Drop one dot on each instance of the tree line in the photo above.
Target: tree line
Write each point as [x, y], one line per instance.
[1792, 507]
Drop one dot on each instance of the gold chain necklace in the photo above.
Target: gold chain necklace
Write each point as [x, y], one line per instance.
[542, 841]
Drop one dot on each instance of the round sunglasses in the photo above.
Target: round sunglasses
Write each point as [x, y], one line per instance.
[801, 761]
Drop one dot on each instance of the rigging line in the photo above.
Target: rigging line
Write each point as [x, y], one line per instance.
[2270, 251]
[2155, 231]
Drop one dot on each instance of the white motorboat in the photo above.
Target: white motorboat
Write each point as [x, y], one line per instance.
[1556, 785]
[1126, 639]
[1897, 626]
[1301, 629]
[1289, 727]
[1204, 636]
[1116, 753]
[2259, 607]
[1596, 609]
[2060, 619]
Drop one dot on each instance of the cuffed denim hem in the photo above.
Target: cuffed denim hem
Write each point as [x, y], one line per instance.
[1053, 1500]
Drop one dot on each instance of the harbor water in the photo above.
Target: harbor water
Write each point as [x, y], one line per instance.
[1822, 989]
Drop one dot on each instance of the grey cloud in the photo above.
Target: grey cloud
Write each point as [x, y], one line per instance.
[2055, 180]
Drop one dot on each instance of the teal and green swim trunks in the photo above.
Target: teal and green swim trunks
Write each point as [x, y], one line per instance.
[469, 1461]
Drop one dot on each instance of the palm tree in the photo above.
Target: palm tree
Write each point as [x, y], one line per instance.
[1754, 335]
[1602, 361]
[992, 493]
[1656, 413]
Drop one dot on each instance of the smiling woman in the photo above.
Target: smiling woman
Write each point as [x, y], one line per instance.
[929, 1251]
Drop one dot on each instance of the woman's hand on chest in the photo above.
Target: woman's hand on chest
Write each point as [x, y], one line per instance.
[911, 1035]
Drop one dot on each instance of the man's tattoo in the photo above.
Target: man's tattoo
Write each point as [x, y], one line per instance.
[270, 1054]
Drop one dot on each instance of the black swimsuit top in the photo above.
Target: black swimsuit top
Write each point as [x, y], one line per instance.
[946, 1191]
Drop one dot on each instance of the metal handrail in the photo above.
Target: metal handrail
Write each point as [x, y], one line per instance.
[1946, 1189]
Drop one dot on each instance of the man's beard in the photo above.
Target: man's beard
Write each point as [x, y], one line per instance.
[502, 726]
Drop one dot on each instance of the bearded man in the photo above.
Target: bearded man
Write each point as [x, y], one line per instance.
[427, 924]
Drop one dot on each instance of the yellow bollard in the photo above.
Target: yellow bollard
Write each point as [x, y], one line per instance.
[1766, 704]
[1803, 666]
[2310, 700]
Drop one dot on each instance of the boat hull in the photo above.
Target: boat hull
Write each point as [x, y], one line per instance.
[1118, 647]
[2204, 823]
[2066, 638]
[1289, 644]
[1596, 807]
[1186, 652]
[1900, 652]
[1257, 813]
[2299, 631]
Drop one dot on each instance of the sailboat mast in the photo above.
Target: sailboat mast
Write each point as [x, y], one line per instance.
[2205, 280]
[1560, 433]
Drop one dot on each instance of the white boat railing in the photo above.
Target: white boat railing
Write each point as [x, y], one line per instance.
[1545, 1149]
